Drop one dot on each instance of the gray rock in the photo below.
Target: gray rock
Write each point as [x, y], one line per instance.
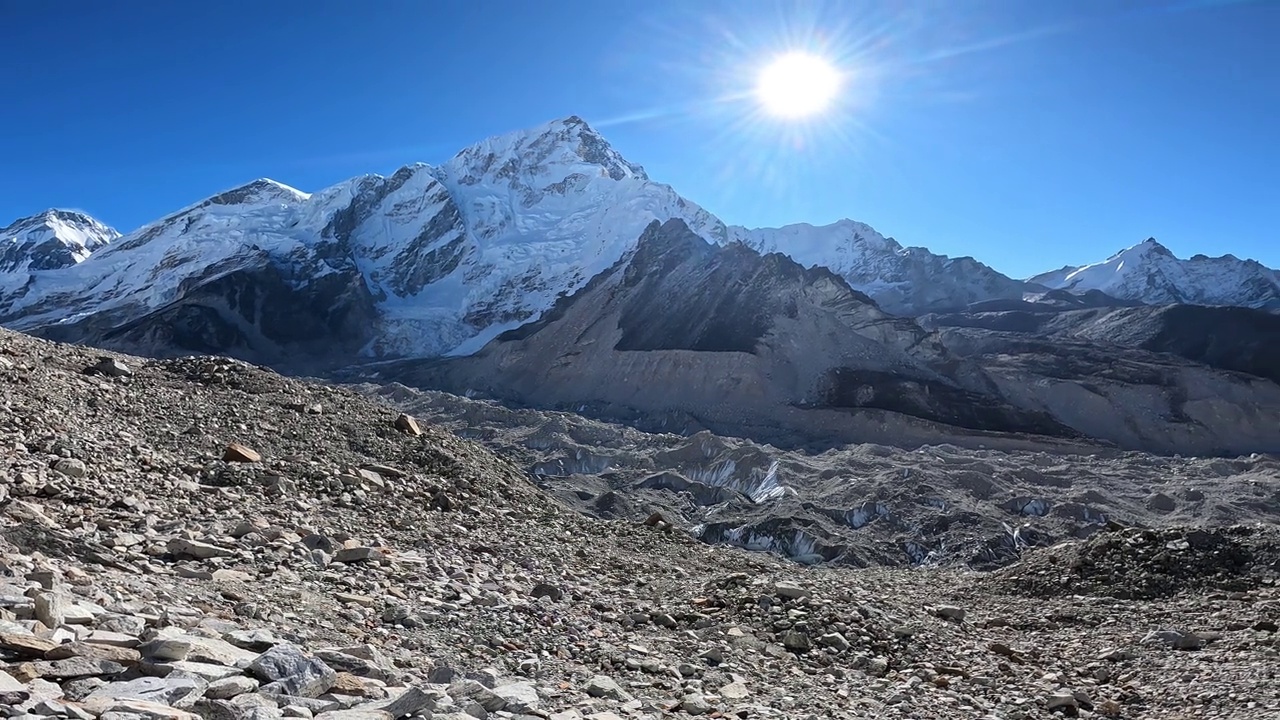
[441, 675]
[78, 689]
[835, 641]
[696, 704]
[546, 590]
[77, 667]
[1159, 502]
[180, 692]
[230, 687]
[257, 640]
[520, 697]
[216, 651]
[476, 692]
[125, 625]
[1062, 699]
[12, 692]
[789, 590]
[125, 656]
[114, 639]
[358, 554]
[375, 667]
[110, 367]
[71, 467]
[1176, 639]
[354, 714]
[143, 710]
[412, 702]
[210, 672]
[796, 641]
[60, 709]
[201, 551]
[603, 686]
[289, 672]
[51, 609]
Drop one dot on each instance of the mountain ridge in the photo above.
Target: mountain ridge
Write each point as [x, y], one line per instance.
[1150, 273]
[50, 240]
[440, 259]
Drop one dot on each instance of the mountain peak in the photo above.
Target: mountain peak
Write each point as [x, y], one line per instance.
[1151, 246]
[50, 240]
[258, 191]
[541, 156]
[1150, 273]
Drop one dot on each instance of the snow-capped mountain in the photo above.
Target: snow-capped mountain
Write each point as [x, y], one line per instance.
[433, 259]
[52, 240]
[905, 281]
[1150, 273]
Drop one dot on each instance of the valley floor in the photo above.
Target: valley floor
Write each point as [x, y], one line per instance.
[343, 563]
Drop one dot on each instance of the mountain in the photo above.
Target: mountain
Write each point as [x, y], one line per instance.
[431, 260]
[52, 240]
[427, 261]
[685, 335]
[904, 281]
[694, 334]
[1150, 273]
[1228, 338]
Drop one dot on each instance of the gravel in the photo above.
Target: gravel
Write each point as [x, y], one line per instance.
[167, 582]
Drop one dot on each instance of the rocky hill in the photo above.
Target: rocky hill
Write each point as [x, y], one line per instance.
[1229, 338]
[684, 335]
[200, 538]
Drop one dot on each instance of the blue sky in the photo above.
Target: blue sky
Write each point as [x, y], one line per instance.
[1029, 134]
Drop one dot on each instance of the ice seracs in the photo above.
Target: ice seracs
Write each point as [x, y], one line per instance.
[1148, 272]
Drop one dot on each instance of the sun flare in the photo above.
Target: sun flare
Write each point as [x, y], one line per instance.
[797, 85]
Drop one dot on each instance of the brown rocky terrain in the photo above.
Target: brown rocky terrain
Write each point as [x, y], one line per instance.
[198, 537]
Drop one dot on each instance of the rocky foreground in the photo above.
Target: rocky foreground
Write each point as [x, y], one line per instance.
[200, 538]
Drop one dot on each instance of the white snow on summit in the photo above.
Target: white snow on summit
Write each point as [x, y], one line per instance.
[1148, 272]
[452, 254]
[51, 240]
[904, 280]
[441, 259]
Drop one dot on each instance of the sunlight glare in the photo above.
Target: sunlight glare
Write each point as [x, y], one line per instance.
[797, 85]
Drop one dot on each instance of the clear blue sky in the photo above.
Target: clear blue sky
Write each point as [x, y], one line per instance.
[1027, 133]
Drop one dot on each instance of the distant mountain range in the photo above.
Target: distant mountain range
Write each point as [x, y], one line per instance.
[438, 260]
[542, 267]
[1149, 273]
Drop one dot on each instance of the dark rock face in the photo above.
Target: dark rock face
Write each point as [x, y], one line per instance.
[1228, 338]
[854, 388]
[744, 343]
[685, 336]
[258, 313]
[733, 319]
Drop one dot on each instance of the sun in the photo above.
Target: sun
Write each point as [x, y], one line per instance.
[797, 85]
